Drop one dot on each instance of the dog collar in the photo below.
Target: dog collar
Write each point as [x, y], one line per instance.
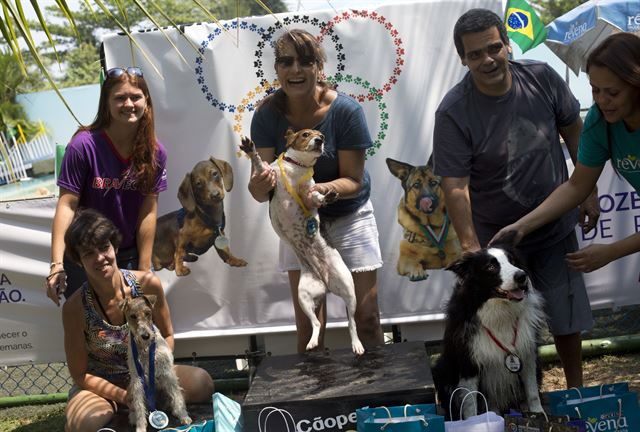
[295, 162]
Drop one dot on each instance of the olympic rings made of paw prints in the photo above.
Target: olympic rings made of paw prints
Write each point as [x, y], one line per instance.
[397, 41]
[200, 78]
[267, 36]
[247, 103]
[375, 96]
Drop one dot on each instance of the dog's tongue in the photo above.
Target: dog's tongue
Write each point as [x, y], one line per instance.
[425, 204]
[517, 294]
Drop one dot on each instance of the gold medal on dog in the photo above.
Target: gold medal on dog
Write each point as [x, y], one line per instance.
[158, 419]
[512, 363]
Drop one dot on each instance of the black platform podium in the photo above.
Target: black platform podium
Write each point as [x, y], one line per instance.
[328, 387]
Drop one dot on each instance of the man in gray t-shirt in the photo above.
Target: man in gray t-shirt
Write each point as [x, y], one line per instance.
[497, 147]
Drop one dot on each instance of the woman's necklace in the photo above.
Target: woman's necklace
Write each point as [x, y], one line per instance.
[102, 309]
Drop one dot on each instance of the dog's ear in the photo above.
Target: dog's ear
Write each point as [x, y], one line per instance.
[399, 169]
[227, 172]
[461, 265]
[185, 194]
[150, 299]
[290, 137]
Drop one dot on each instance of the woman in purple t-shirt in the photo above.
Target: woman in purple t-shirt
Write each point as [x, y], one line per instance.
[116, 166]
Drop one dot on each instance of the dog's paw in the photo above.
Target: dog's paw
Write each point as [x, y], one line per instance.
[236, 262]
[185, 421]
[312, 344]
[183, 271]
[246, 145]
[357, 348]
[411, 270]
[330, 197]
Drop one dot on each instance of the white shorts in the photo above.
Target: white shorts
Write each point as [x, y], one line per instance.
[355, 236]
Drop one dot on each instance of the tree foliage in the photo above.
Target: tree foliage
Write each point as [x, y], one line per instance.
[12, 80]
[78, 49]
[552, 9]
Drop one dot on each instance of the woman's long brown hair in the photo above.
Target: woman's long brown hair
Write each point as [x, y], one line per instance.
[144, 165]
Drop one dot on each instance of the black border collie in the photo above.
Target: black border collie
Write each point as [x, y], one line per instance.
[493, 319]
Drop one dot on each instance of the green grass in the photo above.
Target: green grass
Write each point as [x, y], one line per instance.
[33, 418]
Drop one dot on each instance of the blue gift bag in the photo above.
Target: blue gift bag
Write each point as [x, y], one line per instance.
[408, 418]
[226, 413]
[607, 413]
[559, 396]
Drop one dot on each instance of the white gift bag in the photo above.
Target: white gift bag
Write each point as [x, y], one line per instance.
[282, 420]
[487, 422]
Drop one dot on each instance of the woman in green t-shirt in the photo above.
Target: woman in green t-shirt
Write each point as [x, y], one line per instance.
[611, 131]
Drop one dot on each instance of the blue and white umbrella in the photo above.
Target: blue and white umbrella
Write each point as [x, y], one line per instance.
[575, 34]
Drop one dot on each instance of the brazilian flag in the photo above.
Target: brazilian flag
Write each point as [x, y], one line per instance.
[523, 25]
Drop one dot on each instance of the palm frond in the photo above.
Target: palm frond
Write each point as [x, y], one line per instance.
[176, 26]
[107, 12]
[21, 25]
[15, 27]
[159, 27]
[12, 37]
[43, 26]
[64, 7]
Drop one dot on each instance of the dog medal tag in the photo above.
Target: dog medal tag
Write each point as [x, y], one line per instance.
[513, 363]
[441, 255]
[221, 242]
[311, 225]
[158, 419]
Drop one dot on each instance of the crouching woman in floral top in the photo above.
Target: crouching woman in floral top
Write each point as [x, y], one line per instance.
[95, 331]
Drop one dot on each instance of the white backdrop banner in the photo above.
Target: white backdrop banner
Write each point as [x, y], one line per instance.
[398, 61]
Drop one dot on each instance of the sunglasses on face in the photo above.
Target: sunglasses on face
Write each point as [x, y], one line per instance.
[118, 71]
[287, 61]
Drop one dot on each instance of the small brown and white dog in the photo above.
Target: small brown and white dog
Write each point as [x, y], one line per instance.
[138, 312]
[322, 267]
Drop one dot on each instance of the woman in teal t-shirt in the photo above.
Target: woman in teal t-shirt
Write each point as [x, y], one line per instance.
[611, 131]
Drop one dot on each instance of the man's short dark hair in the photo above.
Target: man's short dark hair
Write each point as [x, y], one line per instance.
[89, 230]
[476, 21]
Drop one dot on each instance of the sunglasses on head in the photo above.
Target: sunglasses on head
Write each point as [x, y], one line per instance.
[287, 61]
[118, 71]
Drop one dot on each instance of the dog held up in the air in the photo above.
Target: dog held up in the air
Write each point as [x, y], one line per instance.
[322, 267]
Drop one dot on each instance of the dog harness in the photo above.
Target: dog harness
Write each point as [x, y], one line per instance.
[106, 344]
[220, 241]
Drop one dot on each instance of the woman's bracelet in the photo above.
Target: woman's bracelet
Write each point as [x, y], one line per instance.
[55, 273]
[54, 263]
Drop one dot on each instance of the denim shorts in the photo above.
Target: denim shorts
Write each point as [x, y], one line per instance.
[355, 236]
